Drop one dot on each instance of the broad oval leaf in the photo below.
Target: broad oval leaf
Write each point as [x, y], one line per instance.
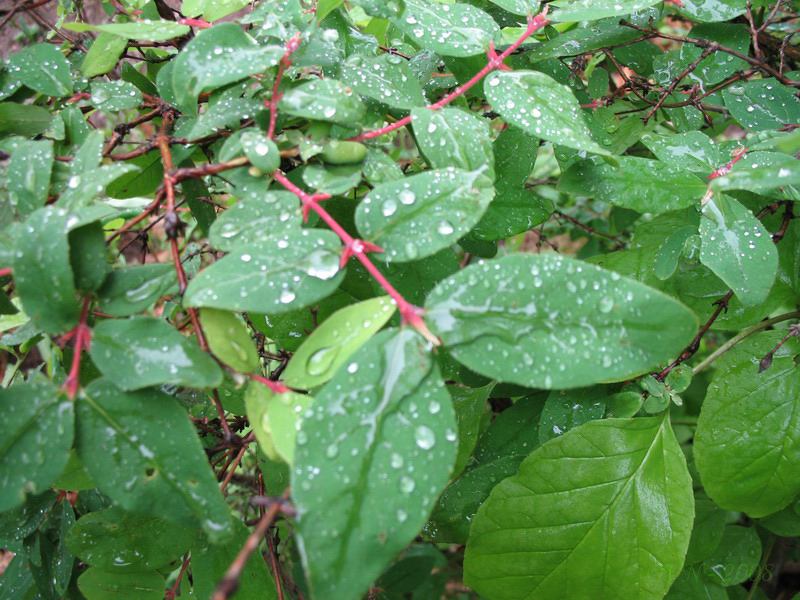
[747, 444]
[115, 95]
[216, 57]
[324, 100]
[275, 419]
[255, 219]
[541, 106]
[28, 175]
[738, 249]
[585, 10]
[43, 68]
[118, 541]
[552, 322]
[637, 183]
[335, 341]
[762, 104]
[453, 138]
[147, 29]
[262, 151]
[375, 450]
[37, 435]
[103, 54]
[121, 440]
[102, 585]
[229, 340]
[274, 275]
[128, 291]
[448, 29]
[604, 511]
[760, 171]
[386, 78]
[419, 215]
[144, 351]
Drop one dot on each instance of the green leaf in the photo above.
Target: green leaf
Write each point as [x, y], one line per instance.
[121, 440]
[518, 7]
[274, 275]
[691, 150]
[736, 557]
[335, 341]
[260, 150]
[541, 106]
[102, 585]
[115, 95]
[87, 247]
[129, 291]
[738, 249]
[210, 562]
[419, 215]
[74, 476]
[762, 104]
[669, 254]
[23, 119]
[612, 496]
[43, 68]
[229, 340]
[512, 211]
[760, 171]
[586, 10]
[103, 55]
[211, 9]
[712, 10]
[28, 175]
[216, 57]
[385, 9]
[448, 29]
[374, 452]
[637, 183]
[42, 272]
[82, 189]
[38, 432]
[143, 351]
[121, 542]
[552, 322]
[332, 179]
[251, 221]
[514, 156]
[709, 525]
[147, 30]
[453, 138]
[599, 34]
[747, 443]
[469, 404]
[691, 585]
[566, 409]
[324, 100]
[385, 78]
[275, 419]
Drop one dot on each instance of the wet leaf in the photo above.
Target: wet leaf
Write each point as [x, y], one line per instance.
[469, 404]
[121, 542]
[102, 585]
[538, 104]
[143, 351]
[43, 68]
[448, 29]
[736, 557]
[760, 171]
[762, 104]
[38, 432]
[262, 151]
[211, 9]
[276, 419]
[551, 322]
[582, 499]
[229, 339]
[375, 450]
[252, 220]
[115, 95]
[324, 100]
[419, 215]
[454, 138]
[146, 29]
[103, 54]
[712, 10]
[637, 183]
[131, 290]
[335, 340]
[121, 440]
[747, 443]
[691, 150]
[28, 175]
[274, 275]
[512, 211]
[386, 78]
[584, 10]
[566, 409]
[738, 249]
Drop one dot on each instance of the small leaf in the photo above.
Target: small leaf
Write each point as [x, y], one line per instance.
[121, 440]
[374, 452]
[691, 150]
[747, 443]
[274, 275]
[144, 351]
[102, 585]
[469, 404]
[324, 100]
[453, 138]
[131, 290]
[566, 409]
[551, 322]
[252, 220]
[386, 78]
[587, 10]
[512, 211]
[28, 175]
[738, 249]
[216, 57]
[23, 119]
[637, 183]
[261, 151]
[117, 95]
[760, 171]
[103, 55]
[762, 104]
[335, 341]
[38, 430]
[736, 558]
[419, 215]
[121, 542]
[581, 499]
[43, 68]
[42, 272]
[211, 9]
[276, 419]
[448, 29]
[229, 340]
[712, 11]
[541, 106]
[518, 7]
[146, 30]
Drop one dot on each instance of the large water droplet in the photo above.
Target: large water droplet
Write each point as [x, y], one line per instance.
[389, 208]
[425, 437]
[320, 361]
[407, 484]
[407, 197]
[606, 304]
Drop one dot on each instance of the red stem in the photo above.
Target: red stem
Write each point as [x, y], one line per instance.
[82, 340]
[291, 47]
[4, 272]
[495, 62]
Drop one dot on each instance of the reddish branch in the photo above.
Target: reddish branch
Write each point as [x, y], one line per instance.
[291, 47]
[5, 272]
[82, 335]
